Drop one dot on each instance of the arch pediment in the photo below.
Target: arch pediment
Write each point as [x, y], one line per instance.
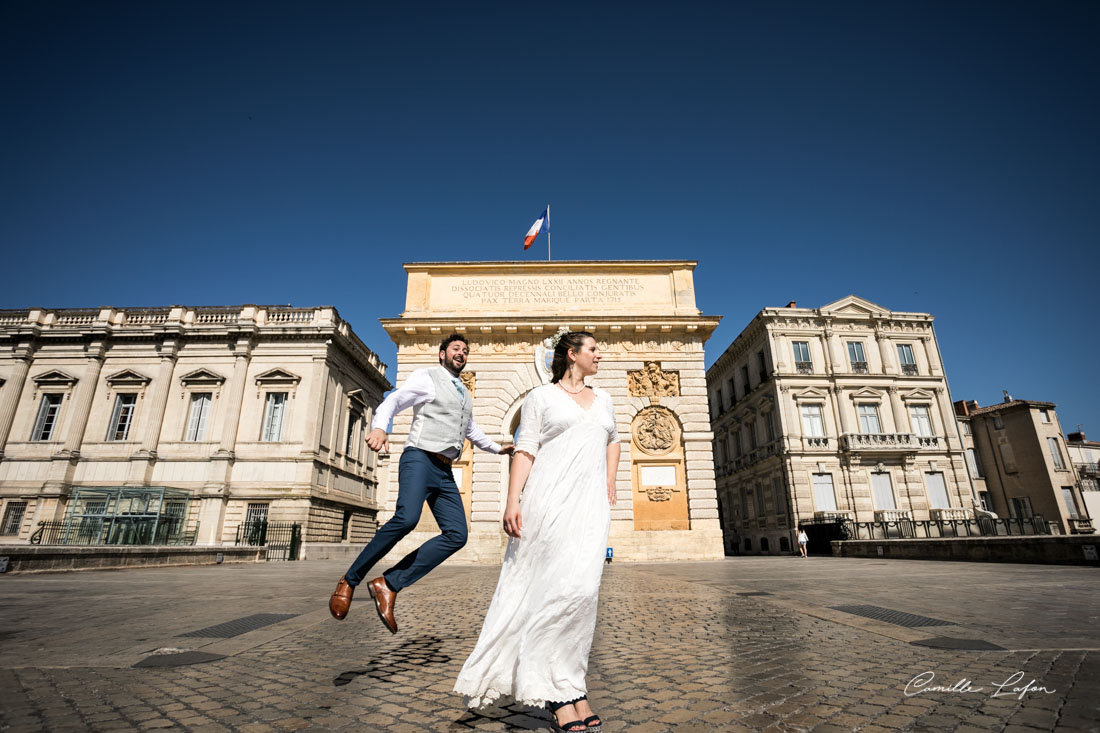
[202, 376]
[54, 377]
[810, 393]
[853, 305]
[128, 376]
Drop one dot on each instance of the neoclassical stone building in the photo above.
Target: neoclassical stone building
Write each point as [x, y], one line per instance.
[240, 412]
[651, 333]
[838, 411]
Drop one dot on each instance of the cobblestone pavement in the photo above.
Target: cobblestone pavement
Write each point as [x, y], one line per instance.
[738, 645]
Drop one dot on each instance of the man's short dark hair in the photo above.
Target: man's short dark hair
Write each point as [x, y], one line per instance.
[451, 339]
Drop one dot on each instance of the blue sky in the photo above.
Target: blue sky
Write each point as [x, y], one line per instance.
[933, 156]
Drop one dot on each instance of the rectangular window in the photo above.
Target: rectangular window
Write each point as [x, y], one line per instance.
[812, 426]
[868, 418]
[122, 416]
[1067, 497]
[732, 389]
[745, 380]
[273, 417]
[48, 411]
[1008, 456]
[857, 357]
[13, 518]
[769, 425]
[762, 364]
[882, 491]
[921, 421]
[780, 497]
[1021, 507]
[824, 496]
[760, 500]
[937, 490]
[353, 427]
[802, 363]
[752, 435]
[744, 503]
[975, 463]
[737, 443]
[1055, 454]
[197, 416]
[965, 427]
[906, 359]
[998, 422]
[256, 513]
[986, 501]
[1044, 415]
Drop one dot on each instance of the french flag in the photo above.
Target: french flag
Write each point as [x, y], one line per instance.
[542, 224]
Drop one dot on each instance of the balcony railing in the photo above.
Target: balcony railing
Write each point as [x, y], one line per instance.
[813, 442]
[804, 367]
[1080, 526]
[983, 526]
[909, 370]
[878, 441]
[950, 513]
[1089, 470]
[891, 515]
[859, 367]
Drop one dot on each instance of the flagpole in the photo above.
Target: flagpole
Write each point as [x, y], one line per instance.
[548, 232]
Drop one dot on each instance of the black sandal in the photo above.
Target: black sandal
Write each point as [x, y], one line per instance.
[572, 727]
[591, 727]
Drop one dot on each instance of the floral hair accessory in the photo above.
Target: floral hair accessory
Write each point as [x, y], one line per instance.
[552, 342]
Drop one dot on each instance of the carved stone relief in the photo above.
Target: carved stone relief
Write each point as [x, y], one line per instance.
[469, 380]
[651, 380]
[655, 430]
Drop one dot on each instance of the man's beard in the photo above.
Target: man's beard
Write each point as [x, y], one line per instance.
[449, 365]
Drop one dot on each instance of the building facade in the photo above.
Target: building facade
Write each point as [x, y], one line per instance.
[240, 413]
[651, 334]
[1021, 463]
[835, 412]
[1084, 454]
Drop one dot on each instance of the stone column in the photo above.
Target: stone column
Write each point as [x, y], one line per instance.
[13, 389]
[82, 403]
[836, 360]
[898, 408]
[158, 400]
[931, 355]
[839, 410]
[234, 398]
[884, 354]
[792, 427]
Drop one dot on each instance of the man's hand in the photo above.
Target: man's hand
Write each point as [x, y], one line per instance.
[507, 450]
[378, 440]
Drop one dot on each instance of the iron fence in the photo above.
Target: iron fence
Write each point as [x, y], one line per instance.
[114, 531]
[941, 528]
[283, 540]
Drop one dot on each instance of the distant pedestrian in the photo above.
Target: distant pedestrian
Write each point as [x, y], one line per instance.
[803, 540]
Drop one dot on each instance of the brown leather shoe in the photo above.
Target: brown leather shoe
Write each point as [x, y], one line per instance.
[383, 601]
[340, 601]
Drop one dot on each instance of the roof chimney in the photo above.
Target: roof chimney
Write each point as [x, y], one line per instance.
[960, 408]
[1077, 437]
[1008, 397]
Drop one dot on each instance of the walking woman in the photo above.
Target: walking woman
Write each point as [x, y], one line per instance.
[537, 633]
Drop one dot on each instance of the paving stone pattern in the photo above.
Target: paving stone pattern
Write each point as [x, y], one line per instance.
[677, 648]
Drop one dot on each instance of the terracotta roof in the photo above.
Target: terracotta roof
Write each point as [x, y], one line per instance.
[1009, 405]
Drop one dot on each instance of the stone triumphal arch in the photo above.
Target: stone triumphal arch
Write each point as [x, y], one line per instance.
[651, 333]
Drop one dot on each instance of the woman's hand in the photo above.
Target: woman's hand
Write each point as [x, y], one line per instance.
[612, 493]
[513, 522]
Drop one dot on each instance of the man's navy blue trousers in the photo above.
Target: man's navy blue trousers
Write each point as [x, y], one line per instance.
[421, 477]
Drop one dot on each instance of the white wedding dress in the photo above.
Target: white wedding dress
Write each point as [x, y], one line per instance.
[537, 633]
